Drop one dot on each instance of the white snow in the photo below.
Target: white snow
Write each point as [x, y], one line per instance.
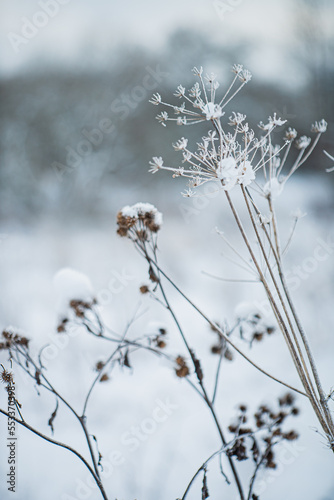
[71, 284]
[212, 111]
[141, 208]
[273, 187]
[165, 461]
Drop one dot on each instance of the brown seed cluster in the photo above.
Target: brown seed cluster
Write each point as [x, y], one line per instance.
[62, 325]
[99, 366]
[268, 421]
[10, 339]
[160, 340]
[124, 223]
[141, 218]
[221, 346]
[5, 376]
[182, 369]
[254, 328]
[79, 307]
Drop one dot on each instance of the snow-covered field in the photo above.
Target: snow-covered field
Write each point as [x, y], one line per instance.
[160, 463]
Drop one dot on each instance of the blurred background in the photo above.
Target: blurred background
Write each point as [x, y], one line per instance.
[77, 133]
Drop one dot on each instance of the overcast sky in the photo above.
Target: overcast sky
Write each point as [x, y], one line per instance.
[76, 32]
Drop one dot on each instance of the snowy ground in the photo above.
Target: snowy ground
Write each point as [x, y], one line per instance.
[162, 463]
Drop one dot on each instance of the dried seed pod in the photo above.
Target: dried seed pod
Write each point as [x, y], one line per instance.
[183, 369]
[99, 366]
[5, 376]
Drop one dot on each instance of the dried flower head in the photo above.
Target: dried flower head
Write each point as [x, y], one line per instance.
[13, 336]
[5, 376]
[303, 142]
[319, 127]
[138, 221]
[258, 442]
[99, 366]
[252, 325]
[161, 344]
[80, 307]
[61, 328]
[182, 370]
[291, 134]
[228, 158]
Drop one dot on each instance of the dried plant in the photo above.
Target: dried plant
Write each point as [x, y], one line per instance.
[254, 167]
[259, 169]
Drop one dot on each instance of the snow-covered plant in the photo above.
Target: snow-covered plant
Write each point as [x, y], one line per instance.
[231, 153]
[134, 223]
[79, 309]
[233, 156]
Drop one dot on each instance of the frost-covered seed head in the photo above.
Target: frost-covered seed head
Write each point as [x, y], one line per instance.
[303, 142]
[156, 99]
[181, 144]
[291, 134]
[212, 111]
[141, 217]
[156, 163]
[319, 127]
[180, 91]
[229, 158]
[197, 71]
[245, 76]
[237, 68]
[236, 119]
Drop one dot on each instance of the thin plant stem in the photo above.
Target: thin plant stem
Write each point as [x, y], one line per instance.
[210, 405]
[277, 256]
[323, 399]
[279, 295]
[253, 478]
[98, 376]
[269, 293]
[50, 388]
[228, 340]
[202, 467]
[217, 377]
[299, 363]
[62, 445]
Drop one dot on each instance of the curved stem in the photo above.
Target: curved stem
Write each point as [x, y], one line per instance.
[62, 445]
[98, 376]
[204, 464]
[228, 340]
[50, 388]
[253, 478]
[207, 400]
